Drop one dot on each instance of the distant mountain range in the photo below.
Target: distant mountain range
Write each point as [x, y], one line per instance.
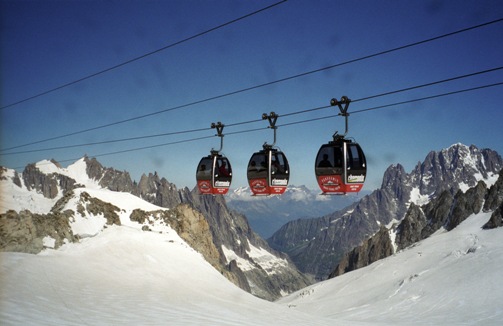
[267, 214]
[318, 245]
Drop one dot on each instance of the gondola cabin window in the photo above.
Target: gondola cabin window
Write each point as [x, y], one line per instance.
[204, 171]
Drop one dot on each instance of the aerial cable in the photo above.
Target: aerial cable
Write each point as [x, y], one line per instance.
[135, 149]
[392, 104]
[373, 108]
[144, 55]
[258, 120]
[154, 146]
[107, 141]
[293, 123]
[429, 84]
[261, 85]
[430, 97]
[305, 111]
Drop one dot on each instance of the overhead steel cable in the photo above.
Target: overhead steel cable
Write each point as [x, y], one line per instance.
[134, 149]
[144, 55]
[107, 141]
[259, 120]
[429, 84]
[430, 97]
[296, 122]
[261, 85]
[395, 104]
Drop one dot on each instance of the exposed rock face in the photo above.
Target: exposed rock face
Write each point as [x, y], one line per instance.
[326, 239]
[317, 245]
[25, 232]
[496, 219]
[240, 277]
[446, 212]
[190, 225]
[98, 207]
[231, 231]
[407, 230]
[158, 191]
[466, 204]
[494, 202]
[110, 178]
[375, 248]
[48, 185]
[495, 196]
[436, 212]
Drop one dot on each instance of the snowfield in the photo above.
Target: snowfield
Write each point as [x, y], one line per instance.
[451, 278]
[124, 276]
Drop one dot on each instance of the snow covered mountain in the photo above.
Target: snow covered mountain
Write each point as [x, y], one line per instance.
[115, 272]
[124, 276]
[267, 214]
[48, 206]
[317, 245]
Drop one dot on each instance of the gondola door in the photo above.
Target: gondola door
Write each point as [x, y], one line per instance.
[329, 168]
[204, 175]
[222, 175]
[279, 172]
[257, 173]
[356, 168]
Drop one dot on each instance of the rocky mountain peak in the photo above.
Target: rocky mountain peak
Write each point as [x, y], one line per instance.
[158, 191]
[48, 184]
[94, 168]
[396, 182]
[458, 166]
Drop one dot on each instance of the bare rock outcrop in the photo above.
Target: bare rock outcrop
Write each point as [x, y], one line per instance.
[375, 248]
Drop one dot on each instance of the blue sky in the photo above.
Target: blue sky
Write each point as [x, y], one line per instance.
[46, 44]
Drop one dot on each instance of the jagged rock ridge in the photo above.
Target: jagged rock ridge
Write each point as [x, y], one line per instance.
[446, 211]
[317, 245]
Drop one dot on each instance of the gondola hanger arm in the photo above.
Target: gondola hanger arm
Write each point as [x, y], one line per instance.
[220, 128]
[272, 118]
[343, 105]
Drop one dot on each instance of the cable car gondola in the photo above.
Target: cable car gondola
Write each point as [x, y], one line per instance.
[268, 170]
[340, 165]
[214, 172]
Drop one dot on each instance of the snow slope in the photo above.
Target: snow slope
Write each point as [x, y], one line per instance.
[19, 198]
[128, 277]
[451, 278]
[124, 276]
